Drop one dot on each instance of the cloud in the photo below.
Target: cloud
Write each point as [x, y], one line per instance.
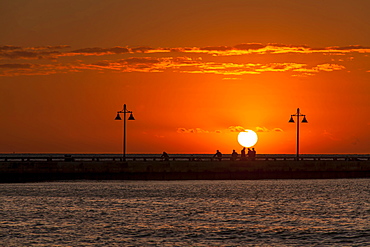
[16, 66]
[264, 129]
[102, 63]
[55, 47]
[231, 79]
[280, 67]
[191, 60]
[36, 69]
[216, 48]
[249, 46]
[195, 131]
[184, 130]
[38, 52]
[237, 128]
[9, 48]
[141, 60]
[29, 54]
[194, 66]
[148, 64]
[15, 69]
[329, 67]
[273, 48]
[101, 51]
[350, 47]
[16, 52]
[142, 49]
[310, 71]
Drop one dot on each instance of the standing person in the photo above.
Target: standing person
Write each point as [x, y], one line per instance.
[218, 154]
[234, 155]
[250, 154]
[242, 154]
[253, 154]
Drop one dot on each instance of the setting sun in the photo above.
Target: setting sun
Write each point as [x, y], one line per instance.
[248, 138]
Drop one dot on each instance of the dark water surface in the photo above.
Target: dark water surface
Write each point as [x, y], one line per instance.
[186, 213]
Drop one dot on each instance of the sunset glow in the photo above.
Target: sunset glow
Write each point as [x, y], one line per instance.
[194, 74]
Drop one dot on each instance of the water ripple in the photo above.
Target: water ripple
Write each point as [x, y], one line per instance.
[183, 213]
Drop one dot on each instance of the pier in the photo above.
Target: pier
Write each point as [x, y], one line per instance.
[108, 158]
[80, 167]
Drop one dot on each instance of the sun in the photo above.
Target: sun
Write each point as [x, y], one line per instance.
[248, 138]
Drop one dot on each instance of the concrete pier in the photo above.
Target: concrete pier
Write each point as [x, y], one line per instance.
[31, 171]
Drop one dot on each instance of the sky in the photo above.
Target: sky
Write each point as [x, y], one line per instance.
[194, 74]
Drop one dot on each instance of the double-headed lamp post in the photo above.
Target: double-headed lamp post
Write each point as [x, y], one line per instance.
[118, 117]
[304, 120]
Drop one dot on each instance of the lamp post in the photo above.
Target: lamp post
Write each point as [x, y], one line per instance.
[118, 117]
[304, 120]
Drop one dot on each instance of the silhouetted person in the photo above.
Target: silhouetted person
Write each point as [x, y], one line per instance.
[234, 155]
[218, 154]
[250, 154]
[165, 156]
[242, 154]
[253, 154]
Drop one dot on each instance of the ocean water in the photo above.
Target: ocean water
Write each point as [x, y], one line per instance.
[186, 213]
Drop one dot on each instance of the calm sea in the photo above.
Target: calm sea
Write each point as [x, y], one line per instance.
[186, 213]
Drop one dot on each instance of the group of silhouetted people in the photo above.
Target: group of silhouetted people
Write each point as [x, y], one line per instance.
[250, 155]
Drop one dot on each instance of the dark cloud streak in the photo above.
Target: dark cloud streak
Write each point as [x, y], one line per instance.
[249, 46]
[9, 48]
[93, 50]
[16, 66]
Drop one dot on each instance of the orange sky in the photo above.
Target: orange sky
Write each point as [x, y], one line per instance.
[192, 72]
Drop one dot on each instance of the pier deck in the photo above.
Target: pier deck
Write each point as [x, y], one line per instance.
[32, 168]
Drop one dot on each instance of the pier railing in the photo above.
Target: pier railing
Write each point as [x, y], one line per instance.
[86, 158]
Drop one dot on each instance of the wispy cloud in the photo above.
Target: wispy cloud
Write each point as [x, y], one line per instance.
[231, 79]
[195, 131]
[237, 128]
[240, 49]
[192, 60]
[264, 129]
[100, 51]
[16, 66]
[256, 48]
